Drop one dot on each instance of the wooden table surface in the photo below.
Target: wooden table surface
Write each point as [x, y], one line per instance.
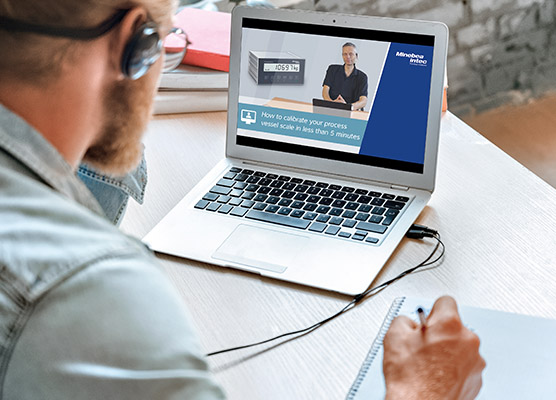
[497, 219]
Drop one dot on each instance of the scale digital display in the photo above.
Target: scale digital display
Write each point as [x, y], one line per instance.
[281, 67]
[271, 68]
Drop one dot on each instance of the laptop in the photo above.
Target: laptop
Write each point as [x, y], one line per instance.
[310, 198]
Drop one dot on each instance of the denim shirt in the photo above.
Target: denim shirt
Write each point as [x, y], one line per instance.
[85, 312]
[113, 193]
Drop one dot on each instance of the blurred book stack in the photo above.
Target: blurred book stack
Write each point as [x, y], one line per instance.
[201, 82]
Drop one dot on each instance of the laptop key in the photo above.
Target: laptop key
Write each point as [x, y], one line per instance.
[289, 186]
[236, 193]
[332, 230]
[259, 206]
[352, 206]
[248, 195]
[230, 175]
[224, 199]
[388, 220]
[361, 191]
[310, 216]
[376, 219]
[239, 211]
[317, 227]
[225, 209]
[358, 237]
[351, 197]
[265, 181]
[334, 187]
[313, 190]
[322, 185]
[323, 209]
[369, 227]
[213, 206]
[247, 203]
[388, 196]
[272, 209]
[313, 199]
[336, 221]
[348, 189]
[326, 201]
[278, 219]
[284, 178]
[297, 213]
[253, 179]
[297, 204]
[235, 202]
[288, 194]
[323, 218]
[349, 214]
[362, 217]
[272, 176]
[378, 210]
[260, 197]
[375, 194]
[235, 169]
[336, 211]
[220, 190]
[201, 204]
[210, 196]
[241, 177]
[273, 200]
[259, 174]
[344, 234]
[371, 240]
[296, 180]
[349, 223]
[285, 211]
[248, 171]
[251, 188]
[284, 202]
[402, 198]
[264, 190]
[310, 207]
[396, 205]
[364, 199]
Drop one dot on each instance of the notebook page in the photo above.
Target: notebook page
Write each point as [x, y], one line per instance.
[520, 352]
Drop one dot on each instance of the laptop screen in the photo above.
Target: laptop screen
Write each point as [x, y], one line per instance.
[291, 75]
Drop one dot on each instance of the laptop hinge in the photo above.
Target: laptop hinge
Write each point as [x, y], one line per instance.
[398, 187]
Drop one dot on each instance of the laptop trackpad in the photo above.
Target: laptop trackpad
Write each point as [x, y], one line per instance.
[261, 248]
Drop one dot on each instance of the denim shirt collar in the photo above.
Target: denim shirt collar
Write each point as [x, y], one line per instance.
[32, 150]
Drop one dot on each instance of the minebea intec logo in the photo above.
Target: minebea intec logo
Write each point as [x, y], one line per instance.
[414, 59]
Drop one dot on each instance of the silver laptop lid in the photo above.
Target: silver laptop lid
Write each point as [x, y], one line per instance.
[279, 62]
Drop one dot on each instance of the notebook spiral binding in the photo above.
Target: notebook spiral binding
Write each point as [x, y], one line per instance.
[376, 346]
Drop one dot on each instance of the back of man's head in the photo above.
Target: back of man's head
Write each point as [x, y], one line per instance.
[37, 59]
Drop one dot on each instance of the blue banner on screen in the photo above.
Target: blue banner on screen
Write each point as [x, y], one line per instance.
[303, 125]
[398, 122]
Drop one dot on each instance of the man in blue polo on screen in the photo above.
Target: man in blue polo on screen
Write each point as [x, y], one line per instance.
[345, 83]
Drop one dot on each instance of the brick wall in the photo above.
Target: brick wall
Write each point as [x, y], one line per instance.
[500, 51]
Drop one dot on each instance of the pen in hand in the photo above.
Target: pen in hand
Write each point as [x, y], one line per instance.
[422, 318]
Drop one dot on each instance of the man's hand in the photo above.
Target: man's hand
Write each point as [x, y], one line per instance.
[340, 99]
[440, 362]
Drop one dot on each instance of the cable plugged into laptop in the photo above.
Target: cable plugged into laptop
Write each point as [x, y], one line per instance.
[420, 231]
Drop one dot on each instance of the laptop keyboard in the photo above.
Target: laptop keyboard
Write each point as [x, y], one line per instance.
[329, 209]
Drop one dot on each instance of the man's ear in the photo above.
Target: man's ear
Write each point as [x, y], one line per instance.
[122, 37]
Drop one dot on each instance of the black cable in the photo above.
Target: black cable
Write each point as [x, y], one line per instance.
[416, 232]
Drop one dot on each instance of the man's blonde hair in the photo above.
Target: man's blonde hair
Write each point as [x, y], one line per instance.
[38, 58]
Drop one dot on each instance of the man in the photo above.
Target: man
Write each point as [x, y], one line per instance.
[84, 310]
[345, 83]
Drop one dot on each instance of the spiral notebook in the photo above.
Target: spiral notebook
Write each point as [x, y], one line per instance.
[520, 352]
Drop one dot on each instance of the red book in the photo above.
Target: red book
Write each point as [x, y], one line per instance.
[209, 36]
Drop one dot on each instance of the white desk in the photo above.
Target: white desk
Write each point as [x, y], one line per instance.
[498, 221]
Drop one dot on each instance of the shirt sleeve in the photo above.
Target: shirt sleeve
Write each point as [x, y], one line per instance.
[364, 86]
[328, 77]
[116, 329]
